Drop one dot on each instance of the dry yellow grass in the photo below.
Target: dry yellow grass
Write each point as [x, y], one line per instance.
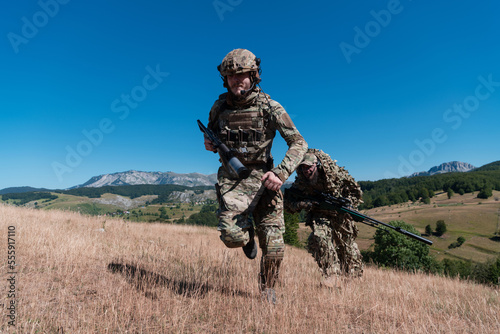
[153, 278]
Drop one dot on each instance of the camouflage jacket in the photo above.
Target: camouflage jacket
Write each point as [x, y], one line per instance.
[273, 118]
[332, 179]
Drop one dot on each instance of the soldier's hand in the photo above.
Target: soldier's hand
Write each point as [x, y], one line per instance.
[308, 205]
[208, 145]
[271, 181]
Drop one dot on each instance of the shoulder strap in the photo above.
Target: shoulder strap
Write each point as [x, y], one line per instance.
[219, 106]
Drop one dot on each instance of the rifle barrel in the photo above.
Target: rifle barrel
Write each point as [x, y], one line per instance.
[378, 222]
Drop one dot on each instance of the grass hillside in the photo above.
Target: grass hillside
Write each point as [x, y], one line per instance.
[82, 274]
[475, 219]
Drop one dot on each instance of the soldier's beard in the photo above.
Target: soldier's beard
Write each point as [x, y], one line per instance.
[239, 96]
[313, 179]
[241, 100]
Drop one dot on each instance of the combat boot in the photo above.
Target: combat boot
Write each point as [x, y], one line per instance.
[269, 295]
[250, 249]
[332, 282]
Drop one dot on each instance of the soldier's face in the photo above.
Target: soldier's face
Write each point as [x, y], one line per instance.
[239, 82]
[309, 171]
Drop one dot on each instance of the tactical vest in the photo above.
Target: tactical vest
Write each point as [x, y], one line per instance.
[244, 131]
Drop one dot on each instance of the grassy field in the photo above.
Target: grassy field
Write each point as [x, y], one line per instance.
[73, 277]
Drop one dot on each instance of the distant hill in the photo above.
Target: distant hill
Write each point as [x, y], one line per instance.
[394, 191]
[133, 177]
[491, 166]
[17, 190]
[447, 167]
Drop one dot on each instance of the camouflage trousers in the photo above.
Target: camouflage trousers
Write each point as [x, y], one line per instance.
[239, 200]
[332, 245]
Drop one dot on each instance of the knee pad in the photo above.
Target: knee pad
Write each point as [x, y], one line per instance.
[234, 238]
[275, 249]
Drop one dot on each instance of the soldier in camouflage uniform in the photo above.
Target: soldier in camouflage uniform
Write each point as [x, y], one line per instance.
[331, 241]
[246, 120]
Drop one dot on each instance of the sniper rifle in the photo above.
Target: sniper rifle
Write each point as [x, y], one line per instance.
[341, 204]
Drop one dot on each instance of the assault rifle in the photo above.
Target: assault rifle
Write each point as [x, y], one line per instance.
[342, 204]
[229, 161]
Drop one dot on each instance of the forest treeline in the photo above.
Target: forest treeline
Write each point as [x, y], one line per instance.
[23, 198]
[423, 188]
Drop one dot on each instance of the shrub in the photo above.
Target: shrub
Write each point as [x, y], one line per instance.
[485, 193]
[393, 249]
[458, 243]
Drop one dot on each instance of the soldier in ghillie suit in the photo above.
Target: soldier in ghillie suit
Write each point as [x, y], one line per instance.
[331, 241]
[246, 120]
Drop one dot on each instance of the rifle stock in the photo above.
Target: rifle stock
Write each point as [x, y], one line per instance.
[341, 204]
[230, 162]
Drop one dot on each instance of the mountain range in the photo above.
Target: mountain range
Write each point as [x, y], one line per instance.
[133, 177]
[447, 167]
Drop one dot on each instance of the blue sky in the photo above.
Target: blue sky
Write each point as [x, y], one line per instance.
[385, 87]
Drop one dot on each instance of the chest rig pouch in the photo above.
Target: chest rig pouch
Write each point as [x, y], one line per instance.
[244, 133]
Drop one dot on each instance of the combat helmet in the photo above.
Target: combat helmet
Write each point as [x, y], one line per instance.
[240, 61]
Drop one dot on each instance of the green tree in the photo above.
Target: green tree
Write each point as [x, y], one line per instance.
[453, 268]
[381, 201]
[485, 193]
[428, 230]
[302, 215]
[206, 216]
[291, 226]
[393, 249]
[423, 193]
[203, 218]
[440, 228]
[450, 193]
